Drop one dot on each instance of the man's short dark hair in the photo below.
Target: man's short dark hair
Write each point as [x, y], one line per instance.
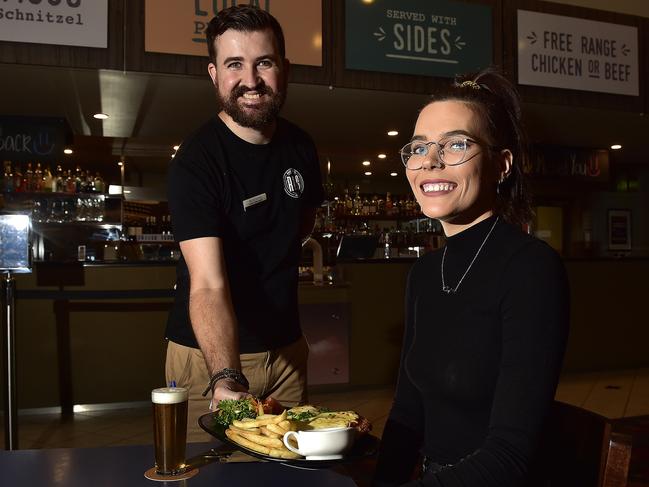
[246, 18]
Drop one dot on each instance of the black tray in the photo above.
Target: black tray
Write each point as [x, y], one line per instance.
[364, 447]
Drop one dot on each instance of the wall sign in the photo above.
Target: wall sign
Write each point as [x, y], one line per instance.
[177, 26]
[619, 229]
[423, 37]
[62, 22]
[32, 138]
[568, 163]
[577, 54]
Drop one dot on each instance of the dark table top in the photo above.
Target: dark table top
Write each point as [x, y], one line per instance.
[124, 466]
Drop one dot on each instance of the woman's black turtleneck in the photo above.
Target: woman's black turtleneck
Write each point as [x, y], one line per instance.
[479, 368]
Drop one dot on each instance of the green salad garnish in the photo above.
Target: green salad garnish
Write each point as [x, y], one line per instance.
[231, 409]
[306, 415]
[303, 416]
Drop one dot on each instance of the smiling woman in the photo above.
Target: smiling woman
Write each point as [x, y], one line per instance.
[487, 315]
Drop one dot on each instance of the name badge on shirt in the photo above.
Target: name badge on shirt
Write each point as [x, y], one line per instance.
[255, 200]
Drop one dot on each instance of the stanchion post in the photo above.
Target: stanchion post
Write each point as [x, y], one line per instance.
[10, 403]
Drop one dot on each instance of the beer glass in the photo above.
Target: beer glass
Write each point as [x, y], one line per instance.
[170, 429]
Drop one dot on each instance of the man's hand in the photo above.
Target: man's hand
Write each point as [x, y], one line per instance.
[227, 389]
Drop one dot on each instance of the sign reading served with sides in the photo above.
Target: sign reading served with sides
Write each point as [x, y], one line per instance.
[577, 54]
[63, 22]
[424, 37]
[178, 26]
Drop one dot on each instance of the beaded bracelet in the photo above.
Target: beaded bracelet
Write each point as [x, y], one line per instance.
[227, 373]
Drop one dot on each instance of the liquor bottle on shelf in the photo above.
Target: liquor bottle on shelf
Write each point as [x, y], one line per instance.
[37, 181]
[380, 206]
[78, 183]
[28, 184]
[87, 182]
[349, 203]
[374, 202]
[47, 181]
[59, 184]
[99, 184]
[19, 181]
[69, 182]
[8, 178]
[388, 205]
[365, 208]
[357, 201]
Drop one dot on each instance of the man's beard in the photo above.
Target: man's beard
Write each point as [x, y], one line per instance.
[255, 118]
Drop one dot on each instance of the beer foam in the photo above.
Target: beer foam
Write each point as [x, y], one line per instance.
[169, 395]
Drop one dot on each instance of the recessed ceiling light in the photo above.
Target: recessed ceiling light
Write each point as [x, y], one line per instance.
[368, 1]
[100, 116]
[392, 133]
[368, 173]
[366, 163]
[393, 174]
[176, 147]
[173, 155]
[120, 163]
[67, 151]
[382, 156]
[616, 147]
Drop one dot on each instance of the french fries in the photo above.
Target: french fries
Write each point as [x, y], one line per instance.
[264, 430]
[263, 434]
[236, 429]
[275, 429]
[266, 419]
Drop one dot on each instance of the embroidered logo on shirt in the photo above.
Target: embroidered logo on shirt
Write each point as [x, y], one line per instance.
[293, 183]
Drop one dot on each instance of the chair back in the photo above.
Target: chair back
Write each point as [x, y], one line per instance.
[583, 449]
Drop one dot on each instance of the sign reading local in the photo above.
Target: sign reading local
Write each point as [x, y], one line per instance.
[423, 37]
[178, 26]
[577, 54]
[63, 22]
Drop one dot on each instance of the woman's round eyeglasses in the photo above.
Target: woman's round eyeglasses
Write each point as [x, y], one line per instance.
[451, 151]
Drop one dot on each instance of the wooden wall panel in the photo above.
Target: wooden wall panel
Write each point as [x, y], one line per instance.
[72, 56]
[557, 96]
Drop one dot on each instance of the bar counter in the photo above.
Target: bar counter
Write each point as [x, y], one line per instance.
[110, 317]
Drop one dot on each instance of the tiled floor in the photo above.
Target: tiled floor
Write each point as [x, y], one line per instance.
[616, 394]
[612, 394]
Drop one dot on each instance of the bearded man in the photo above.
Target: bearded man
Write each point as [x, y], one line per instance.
[243, 191]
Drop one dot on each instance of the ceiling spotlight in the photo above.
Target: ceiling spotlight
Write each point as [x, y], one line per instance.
[368, 173]
[67, 151]
[176, 147]
[173, 155]
[392, 133]
[367, 2]
[366, 163]
[100, 116]
[382, 156]
[120, 163]
[393, 174]
[616, 147]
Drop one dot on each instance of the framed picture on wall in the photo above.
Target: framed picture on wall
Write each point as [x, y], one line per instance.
[619, 229]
